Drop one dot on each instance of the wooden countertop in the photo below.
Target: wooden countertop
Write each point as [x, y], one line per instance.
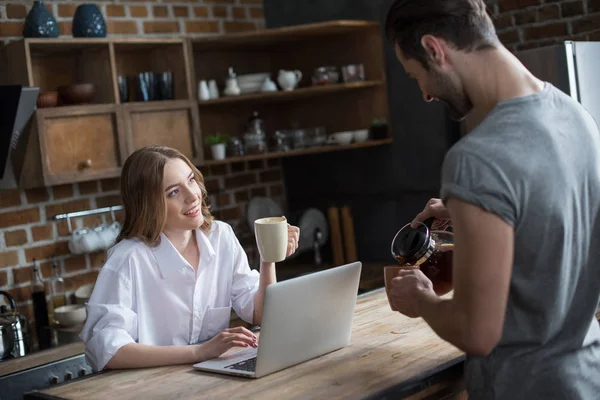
[387, 350]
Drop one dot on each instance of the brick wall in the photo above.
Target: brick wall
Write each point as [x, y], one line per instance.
[524, 24]
[26, 229]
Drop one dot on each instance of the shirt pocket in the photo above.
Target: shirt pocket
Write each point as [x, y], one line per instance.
[215, 321]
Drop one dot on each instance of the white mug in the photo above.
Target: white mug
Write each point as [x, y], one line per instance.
[271, 238]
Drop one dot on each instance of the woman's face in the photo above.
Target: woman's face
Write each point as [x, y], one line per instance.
[183, 197]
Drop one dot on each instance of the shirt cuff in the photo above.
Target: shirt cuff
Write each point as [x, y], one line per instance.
[104, 345]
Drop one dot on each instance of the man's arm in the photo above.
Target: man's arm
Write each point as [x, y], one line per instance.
[483, 257]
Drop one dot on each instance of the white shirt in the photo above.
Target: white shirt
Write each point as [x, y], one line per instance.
[151, 295]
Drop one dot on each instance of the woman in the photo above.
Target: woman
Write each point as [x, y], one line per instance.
[165, 293]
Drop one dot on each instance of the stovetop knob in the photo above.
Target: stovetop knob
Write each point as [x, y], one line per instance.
[53, 380]
[68, 376]
[82, 372]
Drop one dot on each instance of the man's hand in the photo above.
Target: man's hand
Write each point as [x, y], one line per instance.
[406, 288]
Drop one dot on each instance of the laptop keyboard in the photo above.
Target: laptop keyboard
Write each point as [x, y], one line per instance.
[246, 365]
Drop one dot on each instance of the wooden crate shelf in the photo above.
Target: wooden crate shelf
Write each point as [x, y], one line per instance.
[182, 122]
[297, 94]
[301, 152]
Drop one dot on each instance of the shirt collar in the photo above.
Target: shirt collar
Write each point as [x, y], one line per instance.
[170, 260]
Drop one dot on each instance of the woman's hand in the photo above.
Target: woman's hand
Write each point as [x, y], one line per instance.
[229, 338]
[293, 238]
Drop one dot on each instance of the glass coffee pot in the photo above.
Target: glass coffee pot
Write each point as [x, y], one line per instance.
[429, 250]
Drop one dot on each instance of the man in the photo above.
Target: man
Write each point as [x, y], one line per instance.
[522, 191]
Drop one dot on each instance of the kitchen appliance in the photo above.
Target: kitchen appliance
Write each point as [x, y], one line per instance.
[570, 66]
[17, 325]
[17, 104]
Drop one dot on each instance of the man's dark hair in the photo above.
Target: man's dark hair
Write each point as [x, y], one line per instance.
[464, 24]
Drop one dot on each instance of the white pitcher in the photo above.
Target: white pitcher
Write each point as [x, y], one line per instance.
[288, 80]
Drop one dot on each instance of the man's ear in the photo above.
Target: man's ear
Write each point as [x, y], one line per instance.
[435, 49]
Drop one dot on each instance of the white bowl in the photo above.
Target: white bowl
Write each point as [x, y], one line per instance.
[70, 315]
[361, 135]
[342, 138]
[83, 293]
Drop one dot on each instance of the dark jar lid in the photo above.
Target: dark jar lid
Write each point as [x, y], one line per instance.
[411, 245]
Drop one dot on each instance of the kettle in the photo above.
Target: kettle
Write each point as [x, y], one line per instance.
[12, 322]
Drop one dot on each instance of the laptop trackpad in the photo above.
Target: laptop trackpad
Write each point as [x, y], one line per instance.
[224, 361]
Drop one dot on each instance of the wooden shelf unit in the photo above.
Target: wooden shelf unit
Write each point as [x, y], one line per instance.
[96, 138]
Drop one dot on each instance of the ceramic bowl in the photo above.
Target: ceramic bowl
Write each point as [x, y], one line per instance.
[83, 293]
[47, 99]
[342, 138]
[70, 315]
[77, 93]
[361, 135]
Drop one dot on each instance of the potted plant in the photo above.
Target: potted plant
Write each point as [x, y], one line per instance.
[217, 143]
[379, 128]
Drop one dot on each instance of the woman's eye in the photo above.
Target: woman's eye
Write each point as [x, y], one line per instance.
[172, 193]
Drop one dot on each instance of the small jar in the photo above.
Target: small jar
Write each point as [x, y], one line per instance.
[430, 251]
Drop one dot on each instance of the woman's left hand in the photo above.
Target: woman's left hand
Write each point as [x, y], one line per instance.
[293, 238]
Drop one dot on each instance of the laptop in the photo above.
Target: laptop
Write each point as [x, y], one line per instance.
[303, 318]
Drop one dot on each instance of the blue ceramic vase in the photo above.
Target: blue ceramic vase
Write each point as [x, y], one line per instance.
[40, 23]
[88, 22]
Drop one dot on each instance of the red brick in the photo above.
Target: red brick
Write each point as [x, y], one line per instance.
[229, 214]
[222, 200]
[92, 221]
[238, 26]
[256, 164]
[21, 217]
[22, 275]
[47, 251]
[62, 227]
[97, 259]
[63, 191]
[219, 169]
[15, 238]
[526, 17]
[3, 278]
[237, 181]
[549, 12]
[74, 282]
[238, 13]
[271, 176]
[252, 2]
[20, 294]
[594, 36]
[212, 185]
[586, 24]
[201, 27]
[9, 28]
[201, 11]
[76, 263]
[545, 31]
[45, 268]
[138, 11]
[66, 10]
[109, 185]
[219, 1]
[181, 11]
[509, 5]
[38, 195]
[9, 258]
[42, 232]
[238, 167]
[113, 10]
[16, 11]
[593, 6]
[256, 13]
[67, 207]
[161, 27]
[26, 309]
[108, 201]
[258, 192]
[509, 36]
[66, 27]
[219, 12]
[241, 196]
[10, 198]
[121, 27]
[88, 187]
[160, 11]
[276, 190]
[273, 162]
[572, 8]
[503, 21]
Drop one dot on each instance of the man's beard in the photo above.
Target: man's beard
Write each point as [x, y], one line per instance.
[455, 99]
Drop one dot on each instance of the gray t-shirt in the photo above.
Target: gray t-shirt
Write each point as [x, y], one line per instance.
[535, 162]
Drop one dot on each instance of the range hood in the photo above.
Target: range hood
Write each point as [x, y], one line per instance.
[17, 104]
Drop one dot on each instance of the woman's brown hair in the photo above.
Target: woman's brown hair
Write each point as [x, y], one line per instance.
[143, 197]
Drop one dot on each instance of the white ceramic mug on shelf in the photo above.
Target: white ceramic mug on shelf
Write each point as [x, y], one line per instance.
[271, 238]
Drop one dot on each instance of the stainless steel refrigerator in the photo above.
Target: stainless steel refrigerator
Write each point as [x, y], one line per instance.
[573, 67]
